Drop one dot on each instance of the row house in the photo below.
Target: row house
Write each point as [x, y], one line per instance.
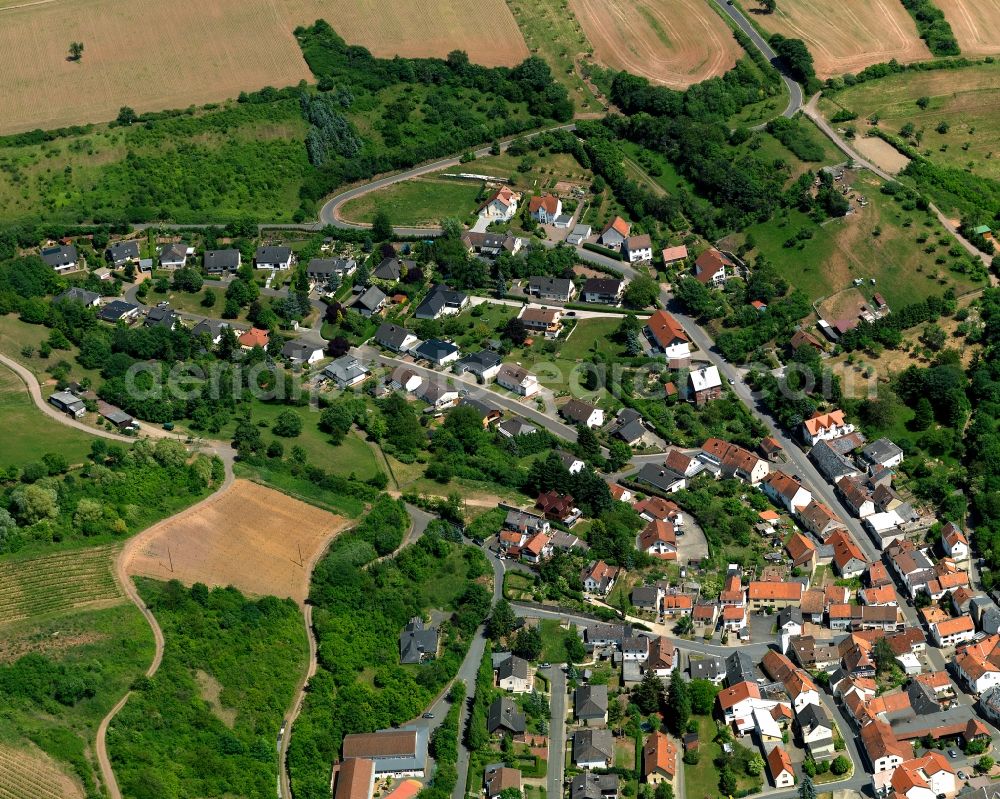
[883, 596]
[814, 654]
[856, 497]
[762, 595]
[953, 631]
[744, 465]
[884, 751]
[911, 565]
[864, 617]
[848, 558]
[785, 490]
[978, 664]
[802, 552]
[819, 520]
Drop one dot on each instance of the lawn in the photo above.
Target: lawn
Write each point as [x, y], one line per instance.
[301, 488]
[703, 779]
[451, 581]
[15, 334]
[879, 241]
[419, 202]
[536, 171]
[553, 641]
[966, 99]
[517, 587]
[27, 433]
[768, 149]
[185, 302]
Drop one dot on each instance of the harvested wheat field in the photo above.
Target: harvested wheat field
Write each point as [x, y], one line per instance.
[32, 774]
[674, 42]
[251, 537]
[850, 35]
[975, 23]
[152, 55]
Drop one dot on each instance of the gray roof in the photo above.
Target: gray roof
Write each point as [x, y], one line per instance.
[813, 716]
[550, 285]
[484, 409]
[914, 725]
[320, 267]
[593, 786]
[631, 431]
[568, 458]
[66, 399]
[645, 596]
[174, 252]
[222, 260]
[393, 269]
[577, 410]
[658, 476]
[434, 349]
[122, 251]
[881, 451]
[345, 369]
[437, 299]
[503, 714]
[923, 698]
[372, 299]
[115, 310]
[56, 256]
[739, 668]
[299, 350]
[391, 335]
[211, 327]
[599, 631]
[79, 295]
[161, 316]
[591, 702]
[417, 641]
[517, 427]
[831, 464]
[707, 668]
[788, 614]
[272, 255]
[512, 666]
[590, 746]
[479, 362]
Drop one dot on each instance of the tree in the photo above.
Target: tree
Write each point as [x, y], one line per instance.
[515, 331]
[32, 503]
[502, 620]
[884, 657]
[806, 788]
[984, 764]
[575, 650]
[619, 453]
[648, 694]
[755, 765]
[288, 424]
[678, 704]
[840, 765]
[703, 693]
[664, 791]
[768, 6]
[75, 51]
[641, 292]
[587, 442]
[923, 415]
[381, 226]
[527, 643]
[727, 781]
[126, 116]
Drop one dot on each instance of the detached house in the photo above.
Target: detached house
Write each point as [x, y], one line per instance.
[673, 255]
[953, 631]
[593, 748]
[817, 518]
[825, 426]
[590, 703]
[705, 384]
[484, 364]
[173, 256]
[61, 258]
[542, 320]
[638, 248]
[559, 289]
[847, 555]
[511, 674]
[599, 578]
[417, 642]
[441, 301]
[217, 262]
[123, 252]
[659, 540]
[779, 766]
[711, 268]
[545, 208]
[579, 412]
[437, 352]
[666, 336]
[394, 337]
[603, 290]
[613, 236]
[882, 453]
[954, 542]
[273, 257]
[501, 206]
[517, 379]
[659, 758]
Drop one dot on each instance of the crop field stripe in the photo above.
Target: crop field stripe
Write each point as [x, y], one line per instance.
[23, 776]
[975, 23]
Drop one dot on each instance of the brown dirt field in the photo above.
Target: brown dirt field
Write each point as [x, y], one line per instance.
[211, 690]
[152, 55]
[842, 304]
[249, 537]
[976, 24]
[850, 35]
[674, 42]
[882, 153]
[32, 774]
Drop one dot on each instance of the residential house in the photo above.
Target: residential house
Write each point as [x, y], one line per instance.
[61, 258]
[789, 621]
[551, 289]
[391, 270]
[661, 478]
[662, 657]
[762, 595]
[818, 519]
[831, 464]
[163, 316]
[659, 540]
[273, 258]
[511, 674]
[91, 299]
[736, 704]
[484, 364]
[417, 642]
[254, 337]
[705, 385]
[659, 508]
[573, 464]
[744, 465]
[405, 379]
[953, 631]
[647, 597]
[593, 748]
[302, 352]
[599, 578]
[512, 428]
[709, 668]
[675, 605]
[490, 245]
[884, 596]
[217, 262]
[825, 426]
[954, 542]
[674, 255]
[438, 395]
[801, 338]
[583, 413]
[638, 248]
[924, 777]
[863, 617]
[123, 252]
[740, 668]
[544, 208]
[579, 234]
[504, 717]
[322, 270]
[882, 453]
[370, 302]
[884, 751]
[856, 496]
[396, 753]
[557, 507]
[210, 327]
[119, 311]
[517, 379]
[441, 301]
[501, 205]
[588, 785]
[628, 426]
[525, 523]
[603, 290]
[848, 558]
[614, 234]
[712, 268]
[978, 664]
[786, 491]
[394, 337]
[498, 778]
[771, 449]
[174, 256]
[734, 618]
[659, 758]
[590, 703]
[538, 548]
[812, 653]
[542, 320]
[779, 766]
[705, 616]
[666, 336]
[437, 352]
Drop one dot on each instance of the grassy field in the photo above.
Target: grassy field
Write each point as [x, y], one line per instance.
[553, 32]
[156, 57]
[51, 583]
[965, 99]
[848, 248]
[534, 172]
[421, 202]
[553, 641]
[848, 36]
[674, 42]
[27, 433]
[301, 488]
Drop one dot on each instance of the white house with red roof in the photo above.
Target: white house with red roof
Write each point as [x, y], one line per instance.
[786, 491]
[614, 234]
[501, 206]
[599, 577]
[544, 208]
[825, 426]
[666, 336]
[638, 248]
[954, 542]
[712, 267]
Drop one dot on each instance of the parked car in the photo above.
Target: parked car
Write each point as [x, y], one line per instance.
[952, 754]
[428, 715]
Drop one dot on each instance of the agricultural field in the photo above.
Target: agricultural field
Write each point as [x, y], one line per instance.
[848, 36]
[251, 537]
[27, 433]
[421, 202]
[62, 581]
[965, 100]
[31, 774]
[879, 241]
[673, 42]
[975, 23]
[154, 56]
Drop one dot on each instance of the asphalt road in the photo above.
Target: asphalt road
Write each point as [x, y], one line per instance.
[557, 734]
[794, 90]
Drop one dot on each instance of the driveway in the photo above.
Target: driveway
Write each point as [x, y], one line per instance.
[692, 545]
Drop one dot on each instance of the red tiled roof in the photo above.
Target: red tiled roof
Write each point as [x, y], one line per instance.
[665, 329]
[822, 421]
[547, 201]
[762, 592]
